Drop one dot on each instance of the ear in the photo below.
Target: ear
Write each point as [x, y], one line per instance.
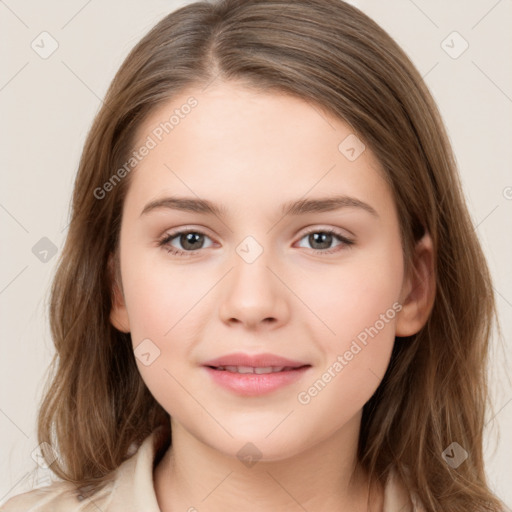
[418, 290]
[118, 313]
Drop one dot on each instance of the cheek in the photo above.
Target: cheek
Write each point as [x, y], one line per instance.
[359, 304]
[352, 296]
[163, 324]
[159, 297]
[356, 357]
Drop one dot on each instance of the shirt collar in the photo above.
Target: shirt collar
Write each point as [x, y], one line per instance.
[133, 488]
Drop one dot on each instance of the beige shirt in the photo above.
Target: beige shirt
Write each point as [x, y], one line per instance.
[132, 490]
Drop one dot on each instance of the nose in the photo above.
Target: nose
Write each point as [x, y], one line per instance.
[255, 296]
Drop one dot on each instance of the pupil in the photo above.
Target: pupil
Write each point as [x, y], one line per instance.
[188, 241]
[318, 237]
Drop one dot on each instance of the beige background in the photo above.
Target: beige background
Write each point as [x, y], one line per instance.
[47, 108]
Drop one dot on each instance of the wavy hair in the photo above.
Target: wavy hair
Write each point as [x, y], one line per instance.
[329, 53]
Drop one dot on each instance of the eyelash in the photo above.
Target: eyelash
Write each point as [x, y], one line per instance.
[164, 242]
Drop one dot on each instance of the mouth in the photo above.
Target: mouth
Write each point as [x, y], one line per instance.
[252, 381]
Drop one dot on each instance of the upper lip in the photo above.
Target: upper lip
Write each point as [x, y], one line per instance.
[255, 361]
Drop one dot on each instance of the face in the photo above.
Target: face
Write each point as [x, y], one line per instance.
[322, 286]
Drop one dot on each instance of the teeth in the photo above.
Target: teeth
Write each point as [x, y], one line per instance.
[251, 369]
[240, 369]
[268, 369]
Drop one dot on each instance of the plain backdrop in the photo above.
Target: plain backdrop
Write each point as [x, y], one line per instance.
[462, 49]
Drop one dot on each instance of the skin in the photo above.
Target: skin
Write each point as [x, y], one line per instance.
[250, 152]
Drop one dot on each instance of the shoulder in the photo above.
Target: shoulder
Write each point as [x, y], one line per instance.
[129, 487]
[57, 497]
[396, 496]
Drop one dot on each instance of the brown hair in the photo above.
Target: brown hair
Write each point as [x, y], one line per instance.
[330, 53]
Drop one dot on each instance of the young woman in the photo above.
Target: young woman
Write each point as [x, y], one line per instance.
[271, 295]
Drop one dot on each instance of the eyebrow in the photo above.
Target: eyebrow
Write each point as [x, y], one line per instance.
[295, 208]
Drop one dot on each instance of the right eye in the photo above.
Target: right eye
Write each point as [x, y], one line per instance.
[190, 240]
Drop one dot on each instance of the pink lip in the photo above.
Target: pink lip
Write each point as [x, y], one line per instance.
[252, 384]
[257, 360]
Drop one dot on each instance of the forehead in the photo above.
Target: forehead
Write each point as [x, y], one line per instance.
[248, 146]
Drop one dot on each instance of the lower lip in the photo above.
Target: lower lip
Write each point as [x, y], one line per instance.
[253, 384]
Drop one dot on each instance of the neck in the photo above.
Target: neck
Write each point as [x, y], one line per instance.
[326, 477]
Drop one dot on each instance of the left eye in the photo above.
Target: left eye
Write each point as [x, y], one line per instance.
[325, 238]
[192, 241]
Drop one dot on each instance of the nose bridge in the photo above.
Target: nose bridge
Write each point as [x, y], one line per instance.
[254, 294]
